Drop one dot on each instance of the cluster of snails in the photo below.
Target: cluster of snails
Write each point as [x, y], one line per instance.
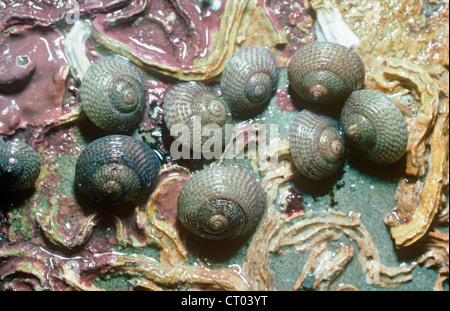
[116, 170]
[221, 202]
[216, 203]
[322, 74]
[112, 171]
[325, 74]
[248, 81]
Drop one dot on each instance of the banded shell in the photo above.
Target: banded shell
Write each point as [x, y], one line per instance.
[249, 79]
[113, 94]
[116, 171]
[374, 127]
[324, 72]
[20, 166]
[317, 145]
[195, 106]
[221, 202]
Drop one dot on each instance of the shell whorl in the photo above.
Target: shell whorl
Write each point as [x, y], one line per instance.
[221, 203]
[374, 127]
[20, 166]
[189, 102]
[113, 94]
[317, 145]
[324, 72]
[249, 79]
[116, 170]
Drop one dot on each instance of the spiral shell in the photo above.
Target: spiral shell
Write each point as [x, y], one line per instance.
[113, 94]
[317, 145]
[324, 72]
[20, 166]
[374, 127]
[195, 105]
[116, 171]
[221, 202]
[249, 79]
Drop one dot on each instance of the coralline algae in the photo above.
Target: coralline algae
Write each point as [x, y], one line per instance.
[32, 78]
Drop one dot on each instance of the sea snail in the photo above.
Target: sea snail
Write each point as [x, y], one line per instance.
[196, 107]
[116, 171]
[374, 127]
[20, 166]
[249, 80]
[221, 202]
[324, 72]
[113, 94]
[317, 145]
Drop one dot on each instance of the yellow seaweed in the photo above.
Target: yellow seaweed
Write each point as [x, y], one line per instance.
[161, 232]
[308, 233]
[60, 235]
[420, 193]
[154, 275]
[437, 256]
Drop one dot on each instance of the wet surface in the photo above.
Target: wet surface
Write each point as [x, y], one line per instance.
[328, 235]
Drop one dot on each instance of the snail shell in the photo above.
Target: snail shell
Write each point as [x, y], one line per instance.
[317, 145]
[374, 127]
[324, 72]
[20, 166]
[221, 203]
[249, 79]
[113, 94]
[116, 170]
[187, 101]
